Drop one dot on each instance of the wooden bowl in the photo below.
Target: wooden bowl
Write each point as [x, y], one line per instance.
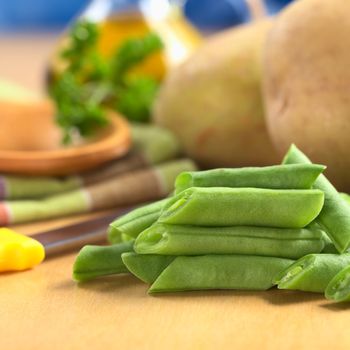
[28, 125]
[34, 147]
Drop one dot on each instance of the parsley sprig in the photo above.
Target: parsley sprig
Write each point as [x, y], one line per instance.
[90, 82]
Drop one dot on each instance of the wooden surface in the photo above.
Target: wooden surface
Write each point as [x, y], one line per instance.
[44, 309]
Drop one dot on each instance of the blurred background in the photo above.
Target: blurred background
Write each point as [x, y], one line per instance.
[29, 29]
[54, 15]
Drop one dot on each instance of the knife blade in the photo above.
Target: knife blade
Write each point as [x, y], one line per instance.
[20, 252]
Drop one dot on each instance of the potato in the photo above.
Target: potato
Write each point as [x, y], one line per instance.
[306, 83]
[213, 102]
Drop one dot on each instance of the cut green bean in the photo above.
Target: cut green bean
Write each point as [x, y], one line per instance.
[338, 288]
[95, 261]
[223, 206]
[128, 226]
[219, 272]
[245, 240]
[294, 176]
[313, 272]
[329, 247]
[346, 197]
[335, 215]
[146, 267]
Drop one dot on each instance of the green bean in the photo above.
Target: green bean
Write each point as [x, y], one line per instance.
[313, 272]
[346, 197]
[128, 226]
[246, 240]
[338, 288]
[329, 247]
[94, 261]
[219, 272]
[146, 267]
[335, 215]
[223, 206]
[295, 176]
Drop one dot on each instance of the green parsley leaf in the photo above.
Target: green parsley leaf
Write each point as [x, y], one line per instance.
[90, 83]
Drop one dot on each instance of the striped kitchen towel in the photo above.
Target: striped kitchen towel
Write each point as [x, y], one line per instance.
[130, 188]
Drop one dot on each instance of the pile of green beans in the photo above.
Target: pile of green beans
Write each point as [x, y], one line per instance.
[244, 228]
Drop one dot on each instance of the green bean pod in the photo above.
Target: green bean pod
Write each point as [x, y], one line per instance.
[95, 261]
[128, 226]
[146, 267]
[346, 197]
[338, 288]
[224, 206]
[294, 176]
[335, 215]
[329, 247]
[244, 240]
[313, 272]
[219, 272]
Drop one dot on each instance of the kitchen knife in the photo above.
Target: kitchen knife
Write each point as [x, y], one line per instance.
[20, 252]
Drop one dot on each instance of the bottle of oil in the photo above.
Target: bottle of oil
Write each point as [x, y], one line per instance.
[121, 19]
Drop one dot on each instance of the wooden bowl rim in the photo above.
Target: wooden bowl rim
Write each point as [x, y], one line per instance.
[114, 144]
[113, 138]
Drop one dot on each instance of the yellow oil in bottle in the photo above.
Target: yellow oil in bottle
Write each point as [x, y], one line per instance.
[180, 38]
[118, 28]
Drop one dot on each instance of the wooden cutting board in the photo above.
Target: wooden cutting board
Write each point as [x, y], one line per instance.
[44, 309]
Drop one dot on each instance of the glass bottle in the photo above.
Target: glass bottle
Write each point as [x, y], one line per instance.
[121, 19]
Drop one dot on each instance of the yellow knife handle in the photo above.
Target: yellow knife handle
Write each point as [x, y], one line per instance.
[19, 252]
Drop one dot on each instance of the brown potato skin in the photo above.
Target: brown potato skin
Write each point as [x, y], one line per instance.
[307, 83]
[213, 101]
